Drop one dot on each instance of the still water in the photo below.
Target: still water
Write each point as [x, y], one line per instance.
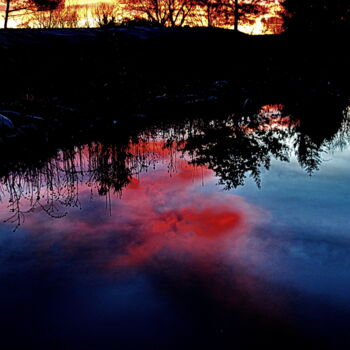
[218, 234]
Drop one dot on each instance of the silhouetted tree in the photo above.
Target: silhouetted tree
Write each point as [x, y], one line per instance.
[12, 6]
[60, 17]
[237, 12]
[213, 10]
[317, 16]
[106, 14]
[170, 13]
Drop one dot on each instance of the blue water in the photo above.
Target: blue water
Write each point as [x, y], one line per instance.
[177, 261]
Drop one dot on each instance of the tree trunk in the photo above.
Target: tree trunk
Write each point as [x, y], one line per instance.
[236, 16]
[7, 11]
[208, 17]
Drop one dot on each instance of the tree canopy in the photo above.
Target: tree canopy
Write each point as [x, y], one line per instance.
[12, 6]
[220, 13]
[316, 16]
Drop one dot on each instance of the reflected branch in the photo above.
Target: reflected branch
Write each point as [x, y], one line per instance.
[234, 148]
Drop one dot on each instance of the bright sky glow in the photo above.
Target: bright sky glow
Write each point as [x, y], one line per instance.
[266, 24]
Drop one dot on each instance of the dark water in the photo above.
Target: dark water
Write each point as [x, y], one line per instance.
[200, 234]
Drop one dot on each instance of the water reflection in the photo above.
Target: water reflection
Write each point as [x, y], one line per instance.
[232, 149]
[125, 240]
[139, 239]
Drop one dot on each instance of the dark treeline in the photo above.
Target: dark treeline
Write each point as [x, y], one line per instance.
[159, 13]
[89, 68]
[326, 17]
[317, 17]
[101, 72]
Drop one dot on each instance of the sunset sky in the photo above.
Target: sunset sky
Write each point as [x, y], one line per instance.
[265, 24]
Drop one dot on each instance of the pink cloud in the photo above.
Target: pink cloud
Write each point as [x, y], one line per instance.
[162, 218]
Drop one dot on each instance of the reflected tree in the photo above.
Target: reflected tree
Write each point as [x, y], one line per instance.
[234, 148]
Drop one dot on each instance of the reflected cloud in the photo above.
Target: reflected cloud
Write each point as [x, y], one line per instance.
[232, 148]
[161, 221]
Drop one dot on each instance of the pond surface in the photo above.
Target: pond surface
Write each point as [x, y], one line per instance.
[219, 234]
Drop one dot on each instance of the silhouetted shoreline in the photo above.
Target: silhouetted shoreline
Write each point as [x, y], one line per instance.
[100, 71]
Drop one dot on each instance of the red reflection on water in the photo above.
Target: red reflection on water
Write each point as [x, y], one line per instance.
[209, 222]
[160, 209]
[164, 218]
[191, 230]
[173, 212]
